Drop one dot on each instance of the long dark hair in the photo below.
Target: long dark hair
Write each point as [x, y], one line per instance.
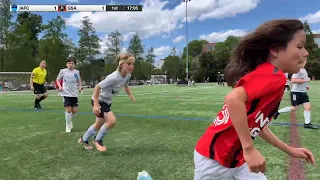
[253, 49]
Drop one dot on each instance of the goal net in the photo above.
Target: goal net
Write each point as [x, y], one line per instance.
[158, 79]
[14, 81]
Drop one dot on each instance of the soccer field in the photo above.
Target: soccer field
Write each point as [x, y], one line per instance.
[157, 134]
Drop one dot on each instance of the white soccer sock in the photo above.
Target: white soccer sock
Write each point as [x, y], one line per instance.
[68, 117]
[285, 109]
[307, 117]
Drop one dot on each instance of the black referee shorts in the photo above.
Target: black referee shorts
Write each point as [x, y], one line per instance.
[39, 88]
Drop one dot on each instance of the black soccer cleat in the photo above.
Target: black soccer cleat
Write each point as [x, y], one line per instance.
[275, 116]
[310, 126]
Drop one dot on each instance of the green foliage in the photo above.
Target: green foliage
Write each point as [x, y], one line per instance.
[313, 64]
[55, 46]
[114, 45]
[89, 41]
[173, 66]
[194, 48]
[150, 59]
[32, 23]
[22, 43]
[135, 46]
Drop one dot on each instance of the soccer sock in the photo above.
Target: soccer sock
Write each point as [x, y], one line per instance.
[90, 132]
[68, 117]
[285, 109]
[307, 117]
[36, 101]
[42, 98]
[102, 132]
[75, 114]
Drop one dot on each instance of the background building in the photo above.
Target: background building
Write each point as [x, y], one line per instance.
[208, 47]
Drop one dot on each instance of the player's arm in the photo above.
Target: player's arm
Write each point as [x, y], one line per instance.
[33, 75]
[272, 139]
[295, 79]
[59, 77]
[236, 104]
[107, 82]
[79, 82]
[127, 89]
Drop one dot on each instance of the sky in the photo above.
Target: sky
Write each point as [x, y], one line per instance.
[162, 23]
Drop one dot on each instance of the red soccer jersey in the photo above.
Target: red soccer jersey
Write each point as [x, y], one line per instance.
[264, 87]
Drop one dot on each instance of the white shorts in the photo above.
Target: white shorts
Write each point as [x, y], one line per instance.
[209, 169]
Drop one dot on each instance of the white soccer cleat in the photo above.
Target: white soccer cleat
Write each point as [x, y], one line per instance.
[68, 130]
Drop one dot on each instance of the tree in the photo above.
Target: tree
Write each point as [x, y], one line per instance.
[136, 49]
[55, 46]
[222, 52]
[172, 67]
[5, 24]
[88, 43]
[313, 64]
[114, 46]
[135, 46]
[22, 42]
[150, 59]
[174, 51]
[194, 48]
[33, 23]
[88, 47]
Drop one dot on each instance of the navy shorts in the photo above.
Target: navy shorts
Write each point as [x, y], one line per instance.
[70, 101]
[104, 108]
[299, 98]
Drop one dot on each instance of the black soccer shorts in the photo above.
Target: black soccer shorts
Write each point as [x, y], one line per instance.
[104, 108]
[299, 98]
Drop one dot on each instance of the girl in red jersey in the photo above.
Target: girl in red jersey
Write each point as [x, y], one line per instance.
[256, 71]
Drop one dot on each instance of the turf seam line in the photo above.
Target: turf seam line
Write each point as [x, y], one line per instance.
[296, 166]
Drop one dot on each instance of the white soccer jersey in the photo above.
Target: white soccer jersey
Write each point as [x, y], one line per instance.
[70, 82]
[112, 85]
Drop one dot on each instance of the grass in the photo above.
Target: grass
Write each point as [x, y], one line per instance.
[157, 134]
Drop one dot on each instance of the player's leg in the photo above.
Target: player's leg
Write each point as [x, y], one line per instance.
[91, 131]
[307, 112]
[110, 121]
[67, 102]
[243, 173]
[37, 92]
[74, 110]
[43, 92]
[209, 169]
[294, 105]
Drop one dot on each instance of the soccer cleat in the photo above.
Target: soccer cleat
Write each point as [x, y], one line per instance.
[310, 126]
[275, 116]
[68, 130]
[37, 106]
[85, 144]
[99, 145]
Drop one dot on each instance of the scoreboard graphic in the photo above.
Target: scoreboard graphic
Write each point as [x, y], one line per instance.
[75, 8]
